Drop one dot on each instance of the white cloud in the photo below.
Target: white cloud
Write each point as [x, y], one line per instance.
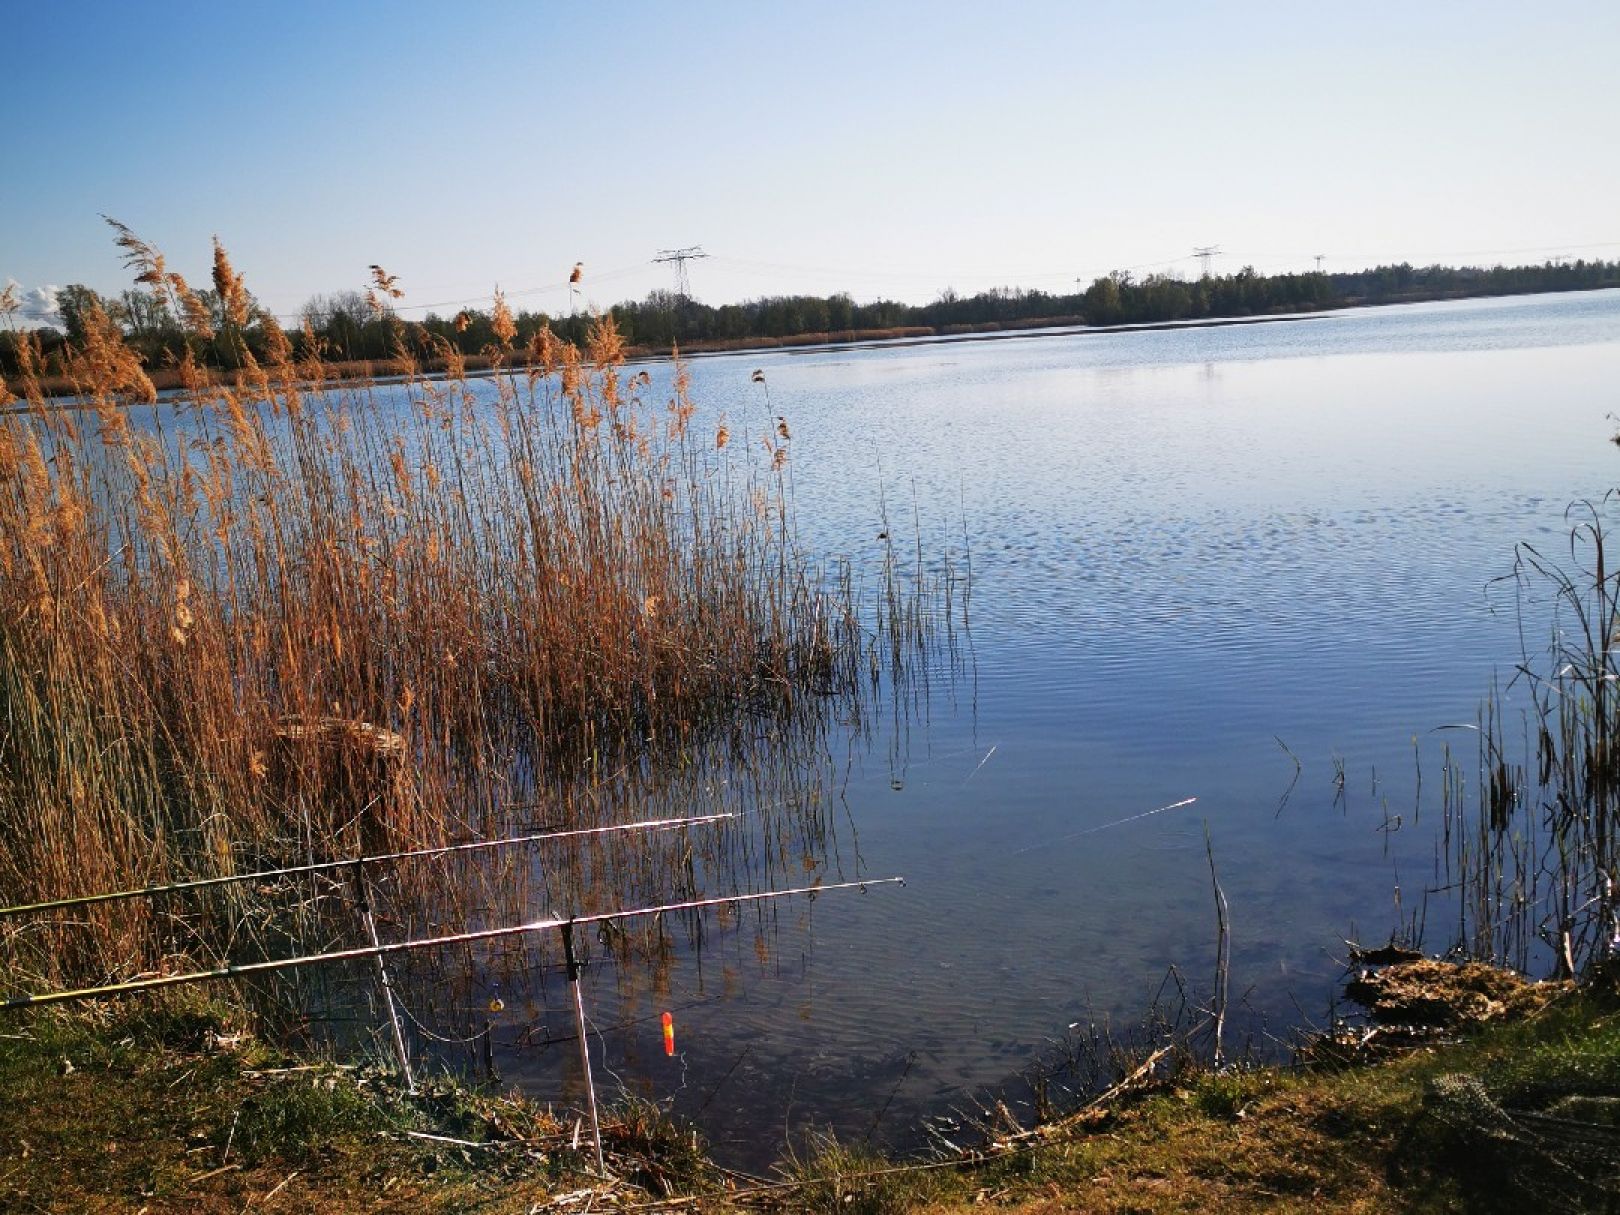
[38, 309]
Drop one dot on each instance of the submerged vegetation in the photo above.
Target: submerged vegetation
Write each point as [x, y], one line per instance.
[285, 618]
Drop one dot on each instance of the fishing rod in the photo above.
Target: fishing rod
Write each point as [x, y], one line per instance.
[656, 824]
[242, 969]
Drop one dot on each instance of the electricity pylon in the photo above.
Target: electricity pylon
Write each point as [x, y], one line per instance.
[683, 284]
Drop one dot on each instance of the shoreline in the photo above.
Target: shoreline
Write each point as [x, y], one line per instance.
[176, 1104]
[476, 366]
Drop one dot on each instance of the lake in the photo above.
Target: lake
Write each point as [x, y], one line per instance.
[1197, 556]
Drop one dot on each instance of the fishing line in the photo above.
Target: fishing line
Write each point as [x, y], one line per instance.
[687, 999]
[981, 763]
[1074, 835]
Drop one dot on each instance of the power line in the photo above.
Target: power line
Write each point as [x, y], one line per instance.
[678, 258]
[869, 273]
[1370, 258]
[487, 299]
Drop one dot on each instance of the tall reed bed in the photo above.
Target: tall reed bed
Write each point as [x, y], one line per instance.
[291, 617]
[1532, 851]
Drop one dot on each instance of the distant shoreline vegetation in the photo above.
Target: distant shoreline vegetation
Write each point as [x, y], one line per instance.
[350, 328]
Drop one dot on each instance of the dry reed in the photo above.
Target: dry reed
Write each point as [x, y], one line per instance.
[292, 616]
[1530, 852]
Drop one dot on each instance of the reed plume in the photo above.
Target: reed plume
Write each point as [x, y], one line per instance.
[291, 616]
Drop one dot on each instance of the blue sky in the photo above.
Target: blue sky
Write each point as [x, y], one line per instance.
[893, 149]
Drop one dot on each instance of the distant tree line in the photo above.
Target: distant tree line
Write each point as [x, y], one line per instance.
[348, 326]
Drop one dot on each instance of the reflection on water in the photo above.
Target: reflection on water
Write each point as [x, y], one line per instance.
[1250, 566]
[781, 779]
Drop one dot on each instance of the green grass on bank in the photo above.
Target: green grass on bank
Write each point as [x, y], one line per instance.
[173, 1106]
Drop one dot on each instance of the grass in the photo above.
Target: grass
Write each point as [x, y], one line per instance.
[173, 1106]
[1354, 1139]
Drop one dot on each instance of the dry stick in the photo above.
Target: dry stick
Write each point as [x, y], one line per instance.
[1140, 1073]
[224, 1168]
[1025, 1141]
[584, 1045]
[279, 1188]
[966, 1160]
[465, 1143]
[237, 970]
[658, 824]
[1137, 1074]
[403, 1055]
[1223, 949]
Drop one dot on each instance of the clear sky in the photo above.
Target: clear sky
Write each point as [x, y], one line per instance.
[883, 149]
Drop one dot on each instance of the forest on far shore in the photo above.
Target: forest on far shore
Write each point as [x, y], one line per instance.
[356, 325]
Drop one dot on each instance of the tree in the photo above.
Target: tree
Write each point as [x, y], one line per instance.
[1102, 299]
[74, 301]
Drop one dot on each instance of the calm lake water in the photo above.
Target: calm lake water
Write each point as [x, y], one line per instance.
[1189, 549]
